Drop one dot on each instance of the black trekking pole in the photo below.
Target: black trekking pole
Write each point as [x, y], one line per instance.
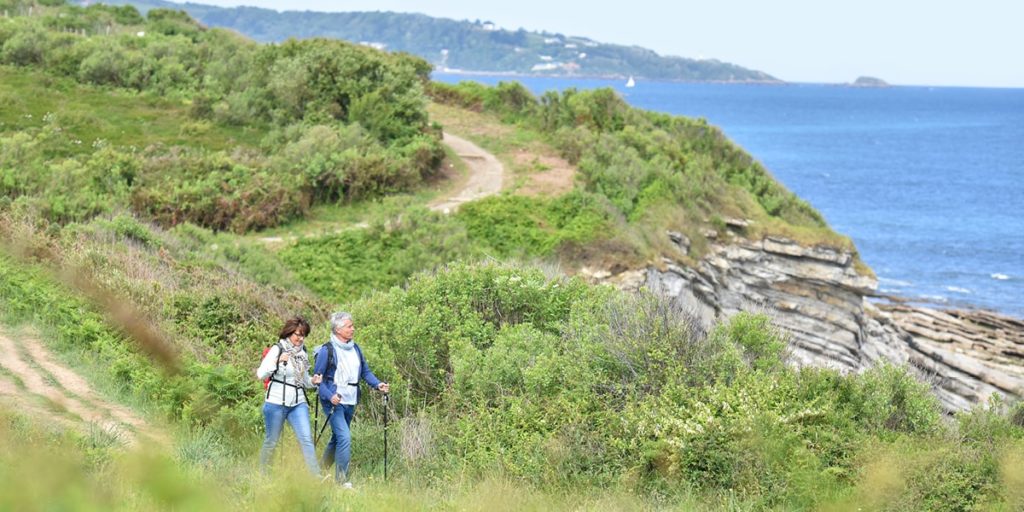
[385, 436]
[320, 433]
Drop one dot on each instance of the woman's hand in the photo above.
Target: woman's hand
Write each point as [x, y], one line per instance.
[284, 357]
[317, 379]
[335, 400]
[383, 387]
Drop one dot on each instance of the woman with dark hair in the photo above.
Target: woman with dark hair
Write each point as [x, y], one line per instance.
[286, 365]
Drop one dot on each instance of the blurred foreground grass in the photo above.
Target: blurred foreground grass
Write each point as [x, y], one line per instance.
[45, 468]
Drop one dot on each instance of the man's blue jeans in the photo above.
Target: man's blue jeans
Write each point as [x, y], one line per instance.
[339, 449]
[274, 416]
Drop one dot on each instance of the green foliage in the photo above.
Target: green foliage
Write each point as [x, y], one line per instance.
[371, 102]
[219, 324]
[889, 399]
[641, 161]
[763, 344]
[532, 226]
[402, 240]
[345, 265]
[498, 369]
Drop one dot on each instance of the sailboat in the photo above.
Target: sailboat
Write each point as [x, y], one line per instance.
[630, 82]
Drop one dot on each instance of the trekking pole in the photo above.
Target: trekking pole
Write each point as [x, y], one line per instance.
[385, 436]
[320, 433]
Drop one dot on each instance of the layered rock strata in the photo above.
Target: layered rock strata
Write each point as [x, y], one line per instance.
[816, 295]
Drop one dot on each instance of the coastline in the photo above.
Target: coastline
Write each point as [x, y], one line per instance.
[516, 74]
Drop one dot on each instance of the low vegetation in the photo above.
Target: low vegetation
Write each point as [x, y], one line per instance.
[508, 380]
[181, 123]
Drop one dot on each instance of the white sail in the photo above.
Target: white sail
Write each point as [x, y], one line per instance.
[630, 82]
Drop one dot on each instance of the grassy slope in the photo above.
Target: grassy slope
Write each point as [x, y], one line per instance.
[117, 116]
[114, 117]
[509, 143]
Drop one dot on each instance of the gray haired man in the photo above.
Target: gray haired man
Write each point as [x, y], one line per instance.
[342, 364]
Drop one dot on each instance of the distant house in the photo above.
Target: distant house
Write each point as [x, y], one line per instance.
[552, 40]
[546, 58]
[582, 55]
[489, 26]
[571, 45]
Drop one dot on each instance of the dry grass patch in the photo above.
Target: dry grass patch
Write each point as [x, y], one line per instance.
[535, 168]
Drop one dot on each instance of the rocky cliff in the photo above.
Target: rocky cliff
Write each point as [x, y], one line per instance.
[816, 295]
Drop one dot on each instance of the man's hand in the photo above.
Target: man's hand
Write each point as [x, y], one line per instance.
[335, 400]
[383, 387]
[317, 379]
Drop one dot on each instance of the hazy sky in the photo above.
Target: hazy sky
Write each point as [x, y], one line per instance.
[912, 42]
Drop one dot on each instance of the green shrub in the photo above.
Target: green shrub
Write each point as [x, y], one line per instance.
[890, 399]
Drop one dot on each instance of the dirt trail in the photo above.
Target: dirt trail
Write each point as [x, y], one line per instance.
[33, 381]
[485, 174]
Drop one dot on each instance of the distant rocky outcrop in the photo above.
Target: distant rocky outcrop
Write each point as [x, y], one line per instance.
[816, 295]
[869, 81]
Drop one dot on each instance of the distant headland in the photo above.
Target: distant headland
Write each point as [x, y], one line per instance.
[465, 46]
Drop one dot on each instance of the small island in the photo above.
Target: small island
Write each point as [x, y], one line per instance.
[869, 81]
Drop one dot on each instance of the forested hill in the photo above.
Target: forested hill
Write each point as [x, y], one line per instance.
[464, 45]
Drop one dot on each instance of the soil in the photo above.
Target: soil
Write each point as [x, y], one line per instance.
[485, 175]
[33, 381]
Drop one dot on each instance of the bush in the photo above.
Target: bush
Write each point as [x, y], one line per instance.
[26, 47]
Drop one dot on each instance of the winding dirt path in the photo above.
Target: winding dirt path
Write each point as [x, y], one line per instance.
[33, 381]
[485, 175]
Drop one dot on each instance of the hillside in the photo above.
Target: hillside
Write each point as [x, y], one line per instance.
[464, 45]
[141, 174]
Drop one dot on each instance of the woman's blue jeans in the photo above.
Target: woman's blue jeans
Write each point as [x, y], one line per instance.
[274, 416]
[339, 449]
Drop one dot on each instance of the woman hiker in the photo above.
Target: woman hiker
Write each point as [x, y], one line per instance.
[286, 365]
[342, 364]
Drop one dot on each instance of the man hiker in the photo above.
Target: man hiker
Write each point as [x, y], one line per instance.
[342, 364]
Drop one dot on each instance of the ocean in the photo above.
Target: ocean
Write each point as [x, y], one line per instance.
[927, 181]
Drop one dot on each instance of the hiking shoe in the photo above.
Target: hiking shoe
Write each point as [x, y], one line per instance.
[346, 485]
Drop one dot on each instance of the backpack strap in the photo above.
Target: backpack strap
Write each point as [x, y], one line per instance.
[276, 368]
[331, 362]
[332, 365]
[284, 389]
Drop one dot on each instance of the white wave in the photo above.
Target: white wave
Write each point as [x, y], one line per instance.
[935, 298]
[1000, 277]
[958, 289]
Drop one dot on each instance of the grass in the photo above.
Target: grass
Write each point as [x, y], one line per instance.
[96, 472]
[116, 116]
[508, 143]
[325, 219]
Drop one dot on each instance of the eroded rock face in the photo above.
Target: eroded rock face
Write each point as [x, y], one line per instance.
[815, 294]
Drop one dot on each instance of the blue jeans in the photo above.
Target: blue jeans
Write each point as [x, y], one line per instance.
[298, 416]
[339, 449]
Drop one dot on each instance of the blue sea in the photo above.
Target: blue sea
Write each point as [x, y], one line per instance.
[927, 181]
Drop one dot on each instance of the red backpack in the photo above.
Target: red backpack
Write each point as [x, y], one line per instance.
[266, 381]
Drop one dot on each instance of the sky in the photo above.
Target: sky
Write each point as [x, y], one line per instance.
[904, 42]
